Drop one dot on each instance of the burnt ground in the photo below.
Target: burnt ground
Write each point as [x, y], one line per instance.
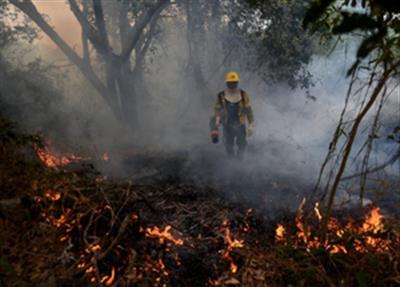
[73, 227]
[273, 188]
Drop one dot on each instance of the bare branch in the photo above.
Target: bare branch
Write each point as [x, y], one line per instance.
[142, 22]
[391, 161]
[30, 10]
[91, 33]
[101, 25]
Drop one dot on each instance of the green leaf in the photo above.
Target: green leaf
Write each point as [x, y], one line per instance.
[316, 10]
[354, 21]
[369, 44]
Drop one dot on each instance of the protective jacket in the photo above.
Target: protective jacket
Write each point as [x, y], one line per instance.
[245, 111]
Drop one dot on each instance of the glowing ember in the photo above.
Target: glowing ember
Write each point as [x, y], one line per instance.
[54, 160]
[53, 195]
[317, 211]
[93, 248]
[109, 279]
[105, 157]
[163, 235]
[280, 232]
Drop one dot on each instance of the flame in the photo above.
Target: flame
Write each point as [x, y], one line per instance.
[93, 248]
[90, 269]
[105, 157]
[109, 279]
[52, 159]
[231, 244]
[317, 211]
[372, 224]
[302, 233]
[280, 232]
[53, 195]
[55, 160]
[163, 235]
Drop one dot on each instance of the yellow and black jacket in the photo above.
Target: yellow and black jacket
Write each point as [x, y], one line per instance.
[245, 109]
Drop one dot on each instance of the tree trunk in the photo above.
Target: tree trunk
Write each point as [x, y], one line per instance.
[30, 10]
[195, 38]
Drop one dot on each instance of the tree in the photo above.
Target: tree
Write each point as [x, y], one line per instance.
[28, 90]
[272, 29]
[117, 85]
[378, 53]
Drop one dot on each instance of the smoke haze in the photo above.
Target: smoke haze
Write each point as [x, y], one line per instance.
[293, 128]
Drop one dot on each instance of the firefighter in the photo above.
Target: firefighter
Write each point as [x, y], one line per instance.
[234, 112]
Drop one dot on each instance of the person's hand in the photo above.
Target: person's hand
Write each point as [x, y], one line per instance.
[250, 130]
[217, 122]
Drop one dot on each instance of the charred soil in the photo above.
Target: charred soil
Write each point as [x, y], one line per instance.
[74, 227]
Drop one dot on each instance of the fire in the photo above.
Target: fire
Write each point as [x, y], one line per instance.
[93, 248]
[231, 244]
[372, 225]
[373, 221]
[53, 195]
[317, 211]
[280, 233]
[52, 159]
[163, 235]
[105, 157]
[109, 279]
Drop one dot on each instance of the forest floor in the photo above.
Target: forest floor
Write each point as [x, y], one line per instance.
[73, 226]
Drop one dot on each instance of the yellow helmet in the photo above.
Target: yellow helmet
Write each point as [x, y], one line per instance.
[232, 76]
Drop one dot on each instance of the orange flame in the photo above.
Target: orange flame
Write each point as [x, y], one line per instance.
[280, 233]
[373, 223]
[53, 195]
[231, 244]
[163, 235]
[109, 279]
[54, 160]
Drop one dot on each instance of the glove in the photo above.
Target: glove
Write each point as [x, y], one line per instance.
[250, 130]
[217, 122]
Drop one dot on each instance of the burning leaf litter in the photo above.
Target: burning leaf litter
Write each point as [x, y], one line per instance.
[101, 232]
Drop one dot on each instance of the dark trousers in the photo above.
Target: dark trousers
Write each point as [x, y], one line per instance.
[232, 133]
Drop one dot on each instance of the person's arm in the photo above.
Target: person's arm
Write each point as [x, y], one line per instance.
[249, 110]
[218, 110]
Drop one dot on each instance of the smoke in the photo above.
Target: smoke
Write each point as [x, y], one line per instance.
[293, 127]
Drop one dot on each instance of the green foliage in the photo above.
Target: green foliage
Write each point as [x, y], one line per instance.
[9, 134]
[13, 28]
[316, 10]
[376, 19]
[283, 49]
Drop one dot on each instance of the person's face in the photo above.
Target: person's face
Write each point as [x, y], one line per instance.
[232, 85]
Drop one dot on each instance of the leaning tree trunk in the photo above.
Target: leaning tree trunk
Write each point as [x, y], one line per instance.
[117, 89]
[30, 10]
